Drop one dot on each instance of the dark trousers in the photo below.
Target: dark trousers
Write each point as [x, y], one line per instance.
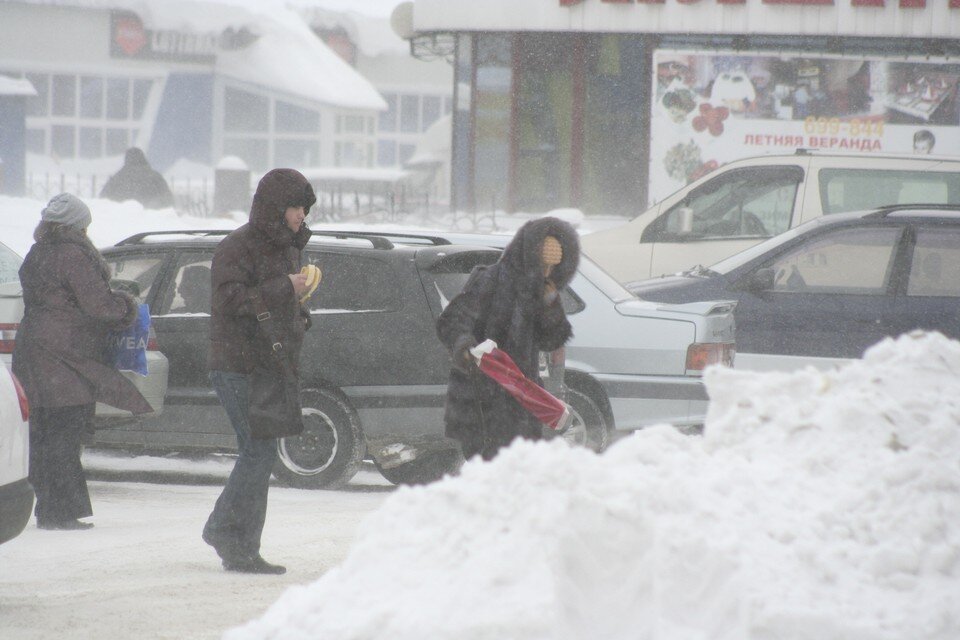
[237, 519]
[55, 469]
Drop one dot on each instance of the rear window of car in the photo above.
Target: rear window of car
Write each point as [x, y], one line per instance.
[354, 284]
[9, 264]
[858, 189]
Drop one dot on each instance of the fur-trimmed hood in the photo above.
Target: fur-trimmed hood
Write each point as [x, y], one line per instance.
[521, 258]
[278, 190]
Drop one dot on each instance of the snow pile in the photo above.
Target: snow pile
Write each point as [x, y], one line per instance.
[816, 506]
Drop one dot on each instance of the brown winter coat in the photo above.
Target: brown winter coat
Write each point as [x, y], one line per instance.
[261, 254]
[61, 353]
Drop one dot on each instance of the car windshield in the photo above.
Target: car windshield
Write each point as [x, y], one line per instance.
[9, 264]
[603, 280]
[729, 264]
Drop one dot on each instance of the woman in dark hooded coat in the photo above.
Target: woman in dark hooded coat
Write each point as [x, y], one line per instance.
[61, 357]
[514, 302]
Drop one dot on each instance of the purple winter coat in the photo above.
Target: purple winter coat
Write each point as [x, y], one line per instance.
[60, 355]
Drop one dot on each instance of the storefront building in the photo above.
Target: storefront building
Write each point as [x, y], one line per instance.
[186, 81]
[611, 105]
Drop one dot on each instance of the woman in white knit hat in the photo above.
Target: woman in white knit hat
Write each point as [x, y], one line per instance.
[61, 356]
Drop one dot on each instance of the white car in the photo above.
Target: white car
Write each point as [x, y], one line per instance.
[16, 494]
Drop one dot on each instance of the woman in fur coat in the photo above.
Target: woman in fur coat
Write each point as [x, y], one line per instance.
[61, 357]
[516, 303]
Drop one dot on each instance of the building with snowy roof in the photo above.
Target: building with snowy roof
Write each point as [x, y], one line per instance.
[188, 81]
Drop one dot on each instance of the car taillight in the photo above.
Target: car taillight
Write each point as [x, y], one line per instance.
[152, 341]
[8, 333]
[22, 398]
[700, 355]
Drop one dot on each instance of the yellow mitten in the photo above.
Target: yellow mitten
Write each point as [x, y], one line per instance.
[313, 274]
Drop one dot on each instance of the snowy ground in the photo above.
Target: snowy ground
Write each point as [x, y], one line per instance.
[143, 571]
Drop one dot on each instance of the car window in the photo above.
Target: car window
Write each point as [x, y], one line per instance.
[191, 290]
[935, 268]
[742, 203]
[142, 269]
[845, 261]
[353, 284]
[858, 189]
[9, 264]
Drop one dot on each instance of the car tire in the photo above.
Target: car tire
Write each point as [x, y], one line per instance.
[588, 427]
[425, 469]
[331, 448]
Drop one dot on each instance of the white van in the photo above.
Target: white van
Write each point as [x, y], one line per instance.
[749, 200]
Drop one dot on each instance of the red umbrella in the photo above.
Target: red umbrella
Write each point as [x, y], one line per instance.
[542, 404]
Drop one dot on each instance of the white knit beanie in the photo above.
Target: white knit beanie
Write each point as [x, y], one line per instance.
[67, 209]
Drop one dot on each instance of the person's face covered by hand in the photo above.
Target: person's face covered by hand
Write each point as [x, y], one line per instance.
[551, 254]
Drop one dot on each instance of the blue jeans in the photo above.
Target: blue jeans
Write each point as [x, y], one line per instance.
[236, 523]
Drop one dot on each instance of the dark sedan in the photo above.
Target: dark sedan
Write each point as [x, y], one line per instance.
[833, 287]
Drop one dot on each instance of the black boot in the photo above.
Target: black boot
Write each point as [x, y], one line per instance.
[65, 525]
[254, 564]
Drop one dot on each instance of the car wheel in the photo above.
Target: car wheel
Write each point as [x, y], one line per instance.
[329, 451]
[425, 469]
[588, 428]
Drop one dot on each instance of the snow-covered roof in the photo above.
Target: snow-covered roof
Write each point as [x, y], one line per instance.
[287, 56]
[16, 87]
[373, 36]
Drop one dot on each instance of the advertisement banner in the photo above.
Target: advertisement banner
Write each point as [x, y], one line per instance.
[710, 108]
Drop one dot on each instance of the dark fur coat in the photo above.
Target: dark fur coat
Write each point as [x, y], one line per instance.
[505, 302]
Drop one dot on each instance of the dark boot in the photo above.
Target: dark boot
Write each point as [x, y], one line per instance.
[65, 525]
[254, 564]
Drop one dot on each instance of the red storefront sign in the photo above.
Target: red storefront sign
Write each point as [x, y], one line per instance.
[903, 4]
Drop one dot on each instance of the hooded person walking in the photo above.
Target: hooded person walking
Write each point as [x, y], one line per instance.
[516, 303]
[137, 180]
[256, 280]
[62, 359]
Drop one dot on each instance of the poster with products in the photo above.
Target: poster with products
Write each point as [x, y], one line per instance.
[709, 108]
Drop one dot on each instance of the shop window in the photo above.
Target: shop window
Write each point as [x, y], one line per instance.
[62, 141]
[39, 105]
[406, 152]
[245, 111]
[64, 95]
[614, 129]
[386, 153]
[253, 151]
[289, 118]
[118, 98]
[409, 114]
[544, 122]
[431, 110]
[116, 140]
[494, 73]
[141, 91]
[296, 153]
[91, 98]
[36, 141]
[461, 183]
[91, 142]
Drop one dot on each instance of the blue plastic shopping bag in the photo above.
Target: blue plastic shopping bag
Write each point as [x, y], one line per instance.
[130, 345]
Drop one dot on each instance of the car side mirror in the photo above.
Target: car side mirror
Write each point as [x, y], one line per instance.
[759, 280]
[129, 286]
[684, 220]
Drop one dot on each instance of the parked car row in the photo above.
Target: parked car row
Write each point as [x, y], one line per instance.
[373, 371]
